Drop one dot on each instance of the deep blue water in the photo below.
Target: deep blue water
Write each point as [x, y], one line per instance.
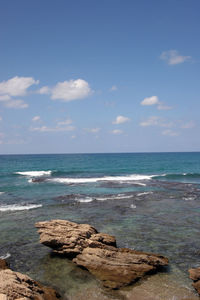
[149, 201]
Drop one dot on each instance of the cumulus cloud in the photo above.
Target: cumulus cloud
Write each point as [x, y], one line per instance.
[154, 100]
[36, 118]
[150, 101]
[116, 131]
[156, 121]
[68, 90]
[172, 57]
[120, 120]
[170, 132]
[14, 87]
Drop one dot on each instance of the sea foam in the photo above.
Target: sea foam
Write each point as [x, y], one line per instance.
[16, 207]
[34, 173]
[121, 179]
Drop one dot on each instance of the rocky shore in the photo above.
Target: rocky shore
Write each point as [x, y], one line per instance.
[98, 253]
[14, 285]
[195, 276]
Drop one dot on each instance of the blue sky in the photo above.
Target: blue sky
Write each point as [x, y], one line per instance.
[99, 76]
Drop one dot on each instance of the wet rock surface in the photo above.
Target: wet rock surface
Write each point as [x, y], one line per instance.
[98, 253]
[195, 276]
[14, 285]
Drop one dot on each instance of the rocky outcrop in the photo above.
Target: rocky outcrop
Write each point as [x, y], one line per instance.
[98, 252]
[14, 285]
[195, 276]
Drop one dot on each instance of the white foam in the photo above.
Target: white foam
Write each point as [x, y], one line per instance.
[133, 206]
[189, 198]
[144, 193]
[118, 196]
[5, 256]
[1, 193]
[34, 173]
[16, 207]
[85, 200]
[121, 179]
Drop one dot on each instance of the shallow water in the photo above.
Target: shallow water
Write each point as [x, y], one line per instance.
[156, 213]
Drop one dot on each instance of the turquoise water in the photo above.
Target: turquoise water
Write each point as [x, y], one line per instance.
[149, 201]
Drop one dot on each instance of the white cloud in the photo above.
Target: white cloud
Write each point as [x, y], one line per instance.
[188, 125]
[120, 120]
[156, 121]
[116, 131]
[66, 122]
[68, 90]
[113, 88]
[150, 101]
[154, 100]
[93, 130]
[172, 57]
[16, 104]
[52, 129]
[170, 132]
[36, 118]
[16, 86]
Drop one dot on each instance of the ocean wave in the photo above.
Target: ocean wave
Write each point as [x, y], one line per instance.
[133, 206]
[16, 207]
[7, 255]
[34, 173]
[144, 193]
[120, 179]
[1, 193]
[112, 197]
[85, 200]
[179, 175]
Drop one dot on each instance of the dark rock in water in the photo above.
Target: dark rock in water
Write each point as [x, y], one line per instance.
[14, 285]
[38, 179]
[3, 264]
[195, 276]
[98, 253]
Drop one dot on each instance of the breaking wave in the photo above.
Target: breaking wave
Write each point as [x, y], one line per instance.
[16, 207]
[34, 173]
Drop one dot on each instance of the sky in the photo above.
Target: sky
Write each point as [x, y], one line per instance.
[99, 76]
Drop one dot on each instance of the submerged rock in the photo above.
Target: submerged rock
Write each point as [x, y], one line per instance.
[195, 276]
[14, 285]
[98, 253]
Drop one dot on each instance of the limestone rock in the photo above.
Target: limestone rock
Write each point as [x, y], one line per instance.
[195, 276]
[70, 238]
[98, 252]
[14, 285]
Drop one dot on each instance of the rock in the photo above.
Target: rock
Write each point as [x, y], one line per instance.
[70, 238]
[195, 276]
[118, 267]
[98, 252]
[3, 264]
[14, 285]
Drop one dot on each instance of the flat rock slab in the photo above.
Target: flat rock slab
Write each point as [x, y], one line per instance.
[195, 276]
[98, 253]
[14, 285]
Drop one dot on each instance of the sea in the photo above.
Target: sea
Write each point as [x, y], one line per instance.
[148, 201]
